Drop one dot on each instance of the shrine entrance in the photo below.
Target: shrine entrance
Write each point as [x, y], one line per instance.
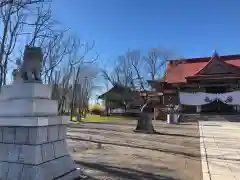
[217, 106]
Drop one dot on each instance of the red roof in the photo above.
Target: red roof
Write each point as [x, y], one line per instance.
[178, 70]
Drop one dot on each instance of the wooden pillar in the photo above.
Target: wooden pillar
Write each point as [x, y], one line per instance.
[198, 109]
[154, 113]
[238, 108]
[180, 107]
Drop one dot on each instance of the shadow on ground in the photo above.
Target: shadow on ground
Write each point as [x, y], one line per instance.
[114, 152]
[179, 135]
[174, 152]
[125, 173]
[113, 130]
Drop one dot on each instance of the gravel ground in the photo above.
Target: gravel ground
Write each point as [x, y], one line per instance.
[114, 152]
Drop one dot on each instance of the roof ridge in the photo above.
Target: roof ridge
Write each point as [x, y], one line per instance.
[204, 59]
[214, 57]
[177, 72]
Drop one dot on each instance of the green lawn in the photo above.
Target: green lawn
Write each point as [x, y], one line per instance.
[99, 119]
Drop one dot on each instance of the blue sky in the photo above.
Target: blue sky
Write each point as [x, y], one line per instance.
[189, 28]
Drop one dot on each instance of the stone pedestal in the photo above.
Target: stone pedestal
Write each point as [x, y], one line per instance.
[32, 136]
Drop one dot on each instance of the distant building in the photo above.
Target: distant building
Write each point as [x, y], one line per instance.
[120, 99]
[208, 84]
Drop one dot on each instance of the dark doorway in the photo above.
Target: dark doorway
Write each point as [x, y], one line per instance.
[220, 89]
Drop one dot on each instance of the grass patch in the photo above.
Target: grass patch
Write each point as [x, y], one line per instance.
[99, 119]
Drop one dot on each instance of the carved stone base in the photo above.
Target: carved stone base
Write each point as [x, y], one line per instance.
[32, 135]
[35, 153]
[46, 171]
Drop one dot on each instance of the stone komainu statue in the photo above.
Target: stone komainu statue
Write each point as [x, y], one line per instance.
[31, 66]
[15, 74]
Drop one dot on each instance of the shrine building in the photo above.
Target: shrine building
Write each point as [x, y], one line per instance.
[202, 85]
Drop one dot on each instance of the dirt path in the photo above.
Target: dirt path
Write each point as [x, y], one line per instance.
[113, 151]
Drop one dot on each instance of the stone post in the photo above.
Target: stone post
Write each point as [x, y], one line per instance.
[199, 109]
[32, 135]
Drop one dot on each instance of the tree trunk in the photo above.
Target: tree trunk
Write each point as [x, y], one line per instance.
[85, 113]
[144, 124]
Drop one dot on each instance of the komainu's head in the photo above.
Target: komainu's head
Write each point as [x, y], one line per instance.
[33, 54]
[15, 73]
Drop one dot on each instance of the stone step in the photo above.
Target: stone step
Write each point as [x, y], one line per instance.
[28, 107]
[191, 117]
[26, 91]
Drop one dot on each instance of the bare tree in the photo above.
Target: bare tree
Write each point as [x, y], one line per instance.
[11, 18]
[144, 123]
[121, 73]
[31, 21]
[13, 15]
[20, 3]
[74, 89]
[122, 76]
[12, 24]
[155, 62]
[132, 71]
[68, 60]
[82, 88]
[62, 87]
[80, 93]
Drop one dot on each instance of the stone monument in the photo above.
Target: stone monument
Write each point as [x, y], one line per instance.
[32, 135]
